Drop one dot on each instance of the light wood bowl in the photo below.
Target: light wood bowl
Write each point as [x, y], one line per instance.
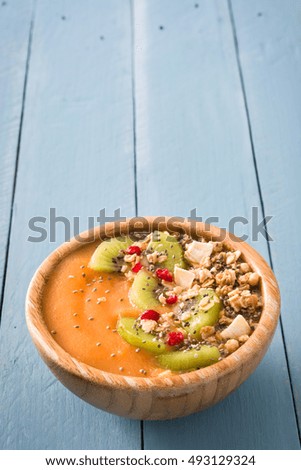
[160, 397]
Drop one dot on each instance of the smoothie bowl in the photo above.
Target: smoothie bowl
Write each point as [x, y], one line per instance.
[152, 321]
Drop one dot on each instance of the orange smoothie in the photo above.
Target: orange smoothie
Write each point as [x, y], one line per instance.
[81, 308]
[151, 305]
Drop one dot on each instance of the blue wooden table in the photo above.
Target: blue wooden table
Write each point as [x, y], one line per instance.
[153, 107]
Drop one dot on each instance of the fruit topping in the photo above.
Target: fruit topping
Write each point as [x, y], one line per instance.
[175, 338]
[137, 267]
[132, 334]
[143, 291]
[183, 277]
[133, 250]
[150, 315]
[164, 274]
[166, 244]
[189, 360]
[172, 299]
[108, 256]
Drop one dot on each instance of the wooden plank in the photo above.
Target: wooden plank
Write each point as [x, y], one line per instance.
[15, 20]
[269, 38]
[76, 156]
[193, 150]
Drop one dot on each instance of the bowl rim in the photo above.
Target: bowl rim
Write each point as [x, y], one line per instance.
[55, 355]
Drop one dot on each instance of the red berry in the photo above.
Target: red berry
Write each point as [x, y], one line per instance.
[164, 274]
[137, 267]
[150, 315]
[133, 250]
[172, 299]
[175, 337]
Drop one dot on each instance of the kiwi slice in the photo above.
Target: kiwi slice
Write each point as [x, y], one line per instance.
[189, 359]
[201, 316]
[108, 257]
[143, 291]
[137, 337]
[169, 245]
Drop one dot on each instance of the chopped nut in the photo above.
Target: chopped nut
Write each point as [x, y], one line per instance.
[244, 268]
[254, 279]
[225, 320]
[190, 293]
[203, 275]
[243, 338]
[249, 278]
[224, 290]
[152, 257]
[204, 301]
[227, 277]
[131, 258]
[231, 345]
[177, 290]
[232, 257]
[207, 331]
[148, 325]
[161, 259]
[185, 316]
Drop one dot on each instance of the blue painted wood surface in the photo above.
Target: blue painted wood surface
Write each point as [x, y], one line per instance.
[77, 156]
[193, 150]
[156, 83]
[269, 37]
[15, 24]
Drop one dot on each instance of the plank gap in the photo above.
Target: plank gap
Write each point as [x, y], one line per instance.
[135, 147]
[244, 93]
[17, 160]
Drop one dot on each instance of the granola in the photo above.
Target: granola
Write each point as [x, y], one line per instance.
[193, 293]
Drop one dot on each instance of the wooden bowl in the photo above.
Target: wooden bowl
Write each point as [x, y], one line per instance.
[159, 397]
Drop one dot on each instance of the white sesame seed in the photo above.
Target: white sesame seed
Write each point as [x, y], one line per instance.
[53, 332]
[121, 369]
[138, 350]
[107, 327]
[94, 289]
[76, 326]
[107, 291]
[91, 318]
[98, 344]
[75, 291]
[113, 355]
[82, 266]
[71, 277]
[75, 314]
[88, 299]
